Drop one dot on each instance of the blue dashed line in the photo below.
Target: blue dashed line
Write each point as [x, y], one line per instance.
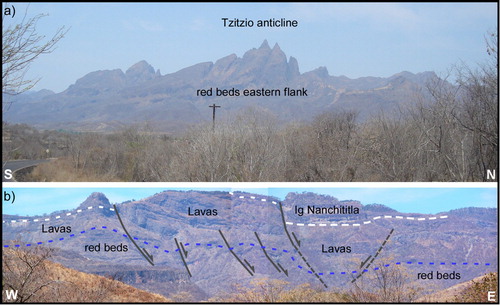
[253, 245]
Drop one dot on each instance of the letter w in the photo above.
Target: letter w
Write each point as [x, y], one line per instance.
[11, 294]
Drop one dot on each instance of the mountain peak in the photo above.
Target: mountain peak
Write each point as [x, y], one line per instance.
[140, 72]
[95, 199]
[141, 66]
[321, 72]
[276, 47]
[264, 45]
[97, 202]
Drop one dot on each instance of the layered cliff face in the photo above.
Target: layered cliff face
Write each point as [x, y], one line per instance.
[194, 236]
[142, 95]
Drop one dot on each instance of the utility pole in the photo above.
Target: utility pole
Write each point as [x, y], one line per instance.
[213, 115]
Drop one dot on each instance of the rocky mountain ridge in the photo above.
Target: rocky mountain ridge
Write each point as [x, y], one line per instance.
[162, 222]
[103, 100]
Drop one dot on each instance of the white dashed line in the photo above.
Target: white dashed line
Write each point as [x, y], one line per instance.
[346, 224]
[56, 217]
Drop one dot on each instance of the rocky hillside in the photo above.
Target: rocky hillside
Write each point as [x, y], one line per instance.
[205, 242]
[42, 281]
[110, 99]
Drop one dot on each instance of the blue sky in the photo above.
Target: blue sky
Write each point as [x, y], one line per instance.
[36, 201]
[356, 40]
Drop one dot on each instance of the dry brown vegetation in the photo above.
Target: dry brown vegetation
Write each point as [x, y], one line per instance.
[385, 285]
[450, 133]
[39, 280]
[276, 291]
[474, 291]
[477, 290]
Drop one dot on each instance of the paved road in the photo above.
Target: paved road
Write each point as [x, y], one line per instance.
[17, 165]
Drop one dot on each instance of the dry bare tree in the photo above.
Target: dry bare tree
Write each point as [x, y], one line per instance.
[21, 45]
[25, 271]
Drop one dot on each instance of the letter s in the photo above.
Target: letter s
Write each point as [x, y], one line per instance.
[8, 174]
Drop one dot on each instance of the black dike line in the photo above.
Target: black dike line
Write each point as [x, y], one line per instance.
[250, 265]
[182, 257]
[296, 248]
[284, 226]
[239, 260]
[267, 255]
[184, 250]
[143, 251]
[285, 271]
[296, 239]
[376, 254]
[363, 263]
